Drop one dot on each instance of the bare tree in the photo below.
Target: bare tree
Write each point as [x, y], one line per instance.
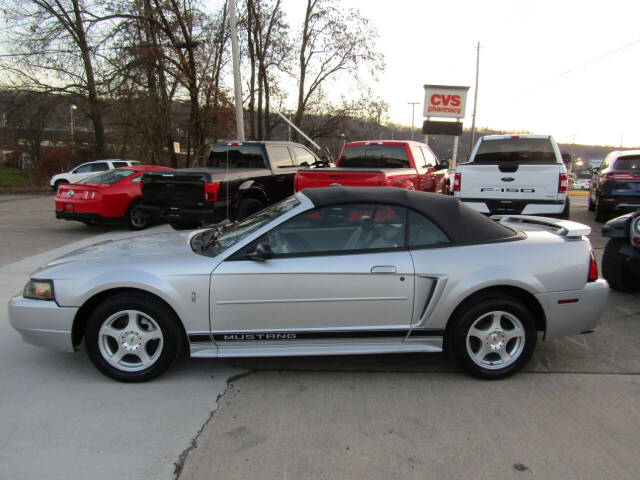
[332, 42]
[55, 48]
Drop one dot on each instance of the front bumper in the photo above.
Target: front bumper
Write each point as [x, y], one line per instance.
[580, 314]
[42, 322]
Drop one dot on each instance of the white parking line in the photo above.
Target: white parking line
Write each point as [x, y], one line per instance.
[62, 419]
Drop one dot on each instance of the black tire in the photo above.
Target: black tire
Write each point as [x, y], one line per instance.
[137, 218]
[614, 270]
[164, 317]
[475, 312]
[184, 225]
[590, 205]
[602, 213]
[566, 211]
[57, 184]
[247, 207]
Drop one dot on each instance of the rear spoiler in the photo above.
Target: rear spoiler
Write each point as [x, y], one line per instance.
[564, 227]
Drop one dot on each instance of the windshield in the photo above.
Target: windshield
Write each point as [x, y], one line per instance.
[108, 178]
[233, 233]
[534, 150]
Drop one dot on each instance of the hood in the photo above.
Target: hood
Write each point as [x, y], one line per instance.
[153, 247]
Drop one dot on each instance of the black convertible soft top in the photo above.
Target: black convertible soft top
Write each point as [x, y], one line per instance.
[462, 224]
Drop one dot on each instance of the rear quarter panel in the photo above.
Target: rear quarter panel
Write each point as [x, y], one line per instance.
[541, 263]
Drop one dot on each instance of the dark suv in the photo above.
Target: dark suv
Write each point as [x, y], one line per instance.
[616, 185]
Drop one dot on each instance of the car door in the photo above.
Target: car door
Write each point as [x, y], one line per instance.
[339, 275]
[283, 169]
[424, 179]
[80, 172]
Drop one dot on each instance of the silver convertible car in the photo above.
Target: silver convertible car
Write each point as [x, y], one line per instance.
[327, 271]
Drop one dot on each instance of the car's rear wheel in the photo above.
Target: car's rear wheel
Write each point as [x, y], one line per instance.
[132, 338]
[494, 337]
[614, 269]
[57, 184]
[247, 207]
[602, 212]
[137, 218]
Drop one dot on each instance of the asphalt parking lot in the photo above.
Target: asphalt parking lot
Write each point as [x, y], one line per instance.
[573, 413]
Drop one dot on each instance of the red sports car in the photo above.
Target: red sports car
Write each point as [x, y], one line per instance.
[109, 197]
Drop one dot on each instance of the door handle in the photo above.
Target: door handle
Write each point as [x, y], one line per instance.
[383, 269]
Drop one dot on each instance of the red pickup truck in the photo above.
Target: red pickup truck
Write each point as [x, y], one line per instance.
[404, 164]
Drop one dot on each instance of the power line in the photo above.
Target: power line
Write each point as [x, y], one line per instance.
[603, 56]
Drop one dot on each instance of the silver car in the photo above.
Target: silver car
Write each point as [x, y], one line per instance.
[327, 271]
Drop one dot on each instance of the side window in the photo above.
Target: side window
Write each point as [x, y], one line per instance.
[99, 167]
[423, 231]
[303, 157]
[417, 156]
[241, 156]
[340, 228]
[136, 179]
[119, 164]
[84, 169]
[429, 157]
[280, 157]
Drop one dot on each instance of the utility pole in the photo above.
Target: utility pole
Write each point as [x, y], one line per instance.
[237, 81]
[413, 108]
[475, 99]
[71, 126]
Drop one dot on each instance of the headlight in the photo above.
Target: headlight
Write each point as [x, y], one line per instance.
[39, 290]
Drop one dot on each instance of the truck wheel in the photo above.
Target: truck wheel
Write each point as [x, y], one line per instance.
[614, 270]
[184, 225]
[132, 337]
[247, 207]
[566, 211]
[601, 211]
[494, 337]
[137, 218]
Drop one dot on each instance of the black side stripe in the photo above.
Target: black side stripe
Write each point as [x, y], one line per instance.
[313, 335]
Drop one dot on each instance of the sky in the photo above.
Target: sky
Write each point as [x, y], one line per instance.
[540, 65]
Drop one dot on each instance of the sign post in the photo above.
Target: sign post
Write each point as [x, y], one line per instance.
[446, 101]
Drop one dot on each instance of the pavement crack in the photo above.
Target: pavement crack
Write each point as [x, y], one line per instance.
[182, 458]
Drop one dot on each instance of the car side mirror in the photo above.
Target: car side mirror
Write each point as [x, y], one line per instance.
[261, 253]
[324, 161]
[594, 171]
[444, 164]
[566, 157]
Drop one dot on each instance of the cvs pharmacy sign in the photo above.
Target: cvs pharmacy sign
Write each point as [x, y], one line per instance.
[445, 101]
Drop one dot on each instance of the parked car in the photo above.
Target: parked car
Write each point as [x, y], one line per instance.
[87, 169]
[514, 174]
[240, 178]
[111, 197]
[582, 184]
[336, 270]
[615, 186]
[373, 163]
[621, 258]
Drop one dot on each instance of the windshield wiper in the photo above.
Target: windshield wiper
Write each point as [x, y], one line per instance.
[214, 233]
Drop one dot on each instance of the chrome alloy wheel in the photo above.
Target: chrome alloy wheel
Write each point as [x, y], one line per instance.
[495, 340]
[130, 340]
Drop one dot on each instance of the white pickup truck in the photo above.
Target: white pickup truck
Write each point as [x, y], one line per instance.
[514, 174]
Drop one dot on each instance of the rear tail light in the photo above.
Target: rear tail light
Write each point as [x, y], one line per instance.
[295, 183]
[619, 176]
[563, 181]
[457, 180]
[211, 191]
[593, 268]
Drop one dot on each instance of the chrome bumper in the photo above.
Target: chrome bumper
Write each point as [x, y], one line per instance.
[574, 311]
[42, 322]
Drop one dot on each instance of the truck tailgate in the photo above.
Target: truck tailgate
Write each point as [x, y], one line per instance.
[174, 189]
[519, 181]
[348, 177]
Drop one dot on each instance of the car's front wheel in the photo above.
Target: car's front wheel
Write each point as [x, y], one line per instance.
[132, 337]
[58, 183]
[494, 337]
